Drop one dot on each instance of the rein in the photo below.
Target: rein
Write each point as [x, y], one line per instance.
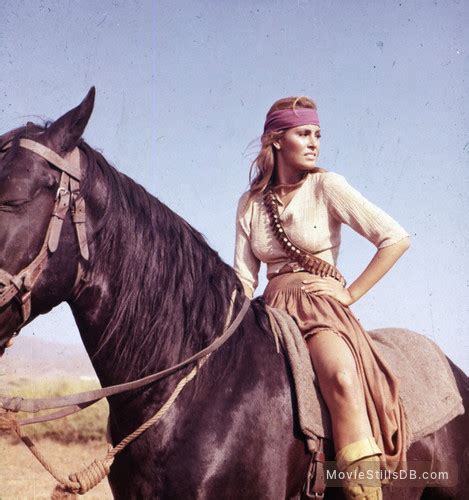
[76, 402]
[20, 286]
[84, 480]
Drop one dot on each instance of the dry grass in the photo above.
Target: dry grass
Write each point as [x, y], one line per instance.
[69, 444]
[22, 477]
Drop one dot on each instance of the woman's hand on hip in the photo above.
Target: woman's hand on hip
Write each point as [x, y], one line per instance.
[328, 286]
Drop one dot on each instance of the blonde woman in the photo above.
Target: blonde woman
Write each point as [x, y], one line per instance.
[291, 219]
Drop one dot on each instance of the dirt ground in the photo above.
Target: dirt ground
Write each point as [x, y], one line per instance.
[22, 477]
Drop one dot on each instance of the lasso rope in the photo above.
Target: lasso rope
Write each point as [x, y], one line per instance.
[83, 481]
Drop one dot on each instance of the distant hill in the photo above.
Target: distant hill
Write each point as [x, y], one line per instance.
[32, 358]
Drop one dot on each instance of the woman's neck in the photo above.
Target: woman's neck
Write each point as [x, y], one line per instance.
[285, 192]
[284, 184]
[287, 174]
[288, 177]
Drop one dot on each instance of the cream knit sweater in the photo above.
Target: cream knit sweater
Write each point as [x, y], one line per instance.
[312, 220]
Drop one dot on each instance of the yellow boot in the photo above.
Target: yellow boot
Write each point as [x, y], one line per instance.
[360, 462]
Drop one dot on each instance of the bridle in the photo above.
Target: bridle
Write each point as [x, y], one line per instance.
[19, 286]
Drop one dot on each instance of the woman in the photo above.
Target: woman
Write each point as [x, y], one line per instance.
[291, 219]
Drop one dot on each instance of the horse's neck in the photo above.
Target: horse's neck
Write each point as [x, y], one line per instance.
[171, 325]
[90, 311]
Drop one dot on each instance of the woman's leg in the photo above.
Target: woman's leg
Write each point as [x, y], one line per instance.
[340, 386]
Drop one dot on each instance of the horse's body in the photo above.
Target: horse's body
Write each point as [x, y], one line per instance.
[152, 294]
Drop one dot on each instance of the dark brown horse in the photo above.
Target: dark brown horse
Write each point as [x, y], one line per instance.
[152, 293]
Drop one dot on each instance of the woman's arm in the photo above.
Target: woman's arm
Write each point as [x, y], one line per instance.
[246, 264]
[248, 291]
[350, 207]
[379, 265]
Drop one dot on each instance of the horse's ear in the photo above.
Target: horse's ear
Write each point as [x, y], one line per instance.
[63, 135]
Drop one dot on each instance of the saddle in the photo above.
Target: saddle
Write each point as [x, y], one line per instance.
[417, 362]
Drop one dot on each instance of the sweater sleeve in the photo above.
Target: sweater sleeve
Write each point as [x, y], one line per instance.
[350, 207]
[246, 264]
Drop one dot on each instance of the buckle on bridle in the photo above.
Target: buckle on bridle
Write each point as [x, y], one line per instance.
[61, 192]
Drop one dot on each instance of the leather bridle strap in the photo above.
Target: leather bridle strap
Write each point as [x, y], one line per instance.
[68, 194]
[84, 399]
[68, 197]
[79, 217]
[64, 164]
[21, 284]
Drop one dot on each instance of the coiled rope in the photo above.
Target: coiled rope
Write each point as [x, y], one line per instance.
[79, 483]
[83, 481]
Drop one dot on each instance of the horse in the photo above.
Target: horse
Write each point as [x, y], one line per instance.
[147, 291]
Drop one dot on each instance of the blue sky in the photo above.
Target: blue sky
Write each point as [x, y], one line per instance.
[182, 92]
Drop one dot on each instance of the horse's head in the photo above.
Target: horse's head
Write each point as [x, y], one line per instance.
[39, 196]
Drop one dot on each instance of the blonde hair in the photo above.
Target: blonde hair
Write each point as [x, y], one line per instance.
[263, 167]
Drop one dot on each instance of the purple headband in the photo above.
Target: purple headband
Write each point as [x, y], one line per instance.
[288, 118]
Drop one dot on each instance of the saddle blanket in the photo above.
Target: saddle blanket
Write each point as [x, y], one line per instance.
[428, 388]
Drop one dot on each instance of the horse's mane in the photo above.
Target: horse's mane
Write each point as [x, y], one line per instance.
[170, 289]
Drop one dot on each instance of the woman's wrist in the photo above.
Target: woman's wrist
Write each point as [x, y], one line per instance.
[352, 296]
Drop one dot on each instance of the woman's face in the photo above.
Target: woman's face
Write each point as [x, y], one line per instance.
[298, 149]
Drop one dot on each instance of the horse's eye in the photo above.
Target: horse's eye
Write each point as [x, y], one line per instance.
[10, 205]
[16, 203]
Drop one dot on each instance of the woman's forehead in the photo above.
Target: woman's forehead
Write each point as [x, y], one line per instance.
[312, 128]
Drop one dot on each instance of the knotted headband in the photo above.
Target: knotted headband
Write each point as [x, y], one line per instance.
[288, 118]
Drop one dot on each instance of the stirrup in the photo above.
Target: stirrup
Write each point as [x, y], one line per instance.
[315, 485]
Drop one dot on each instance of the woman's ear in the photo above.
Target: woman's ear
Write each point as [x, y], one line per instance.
[276, 145]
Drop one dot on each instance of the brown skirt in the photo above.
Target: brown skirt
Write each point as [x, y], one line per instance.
[313, 314]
